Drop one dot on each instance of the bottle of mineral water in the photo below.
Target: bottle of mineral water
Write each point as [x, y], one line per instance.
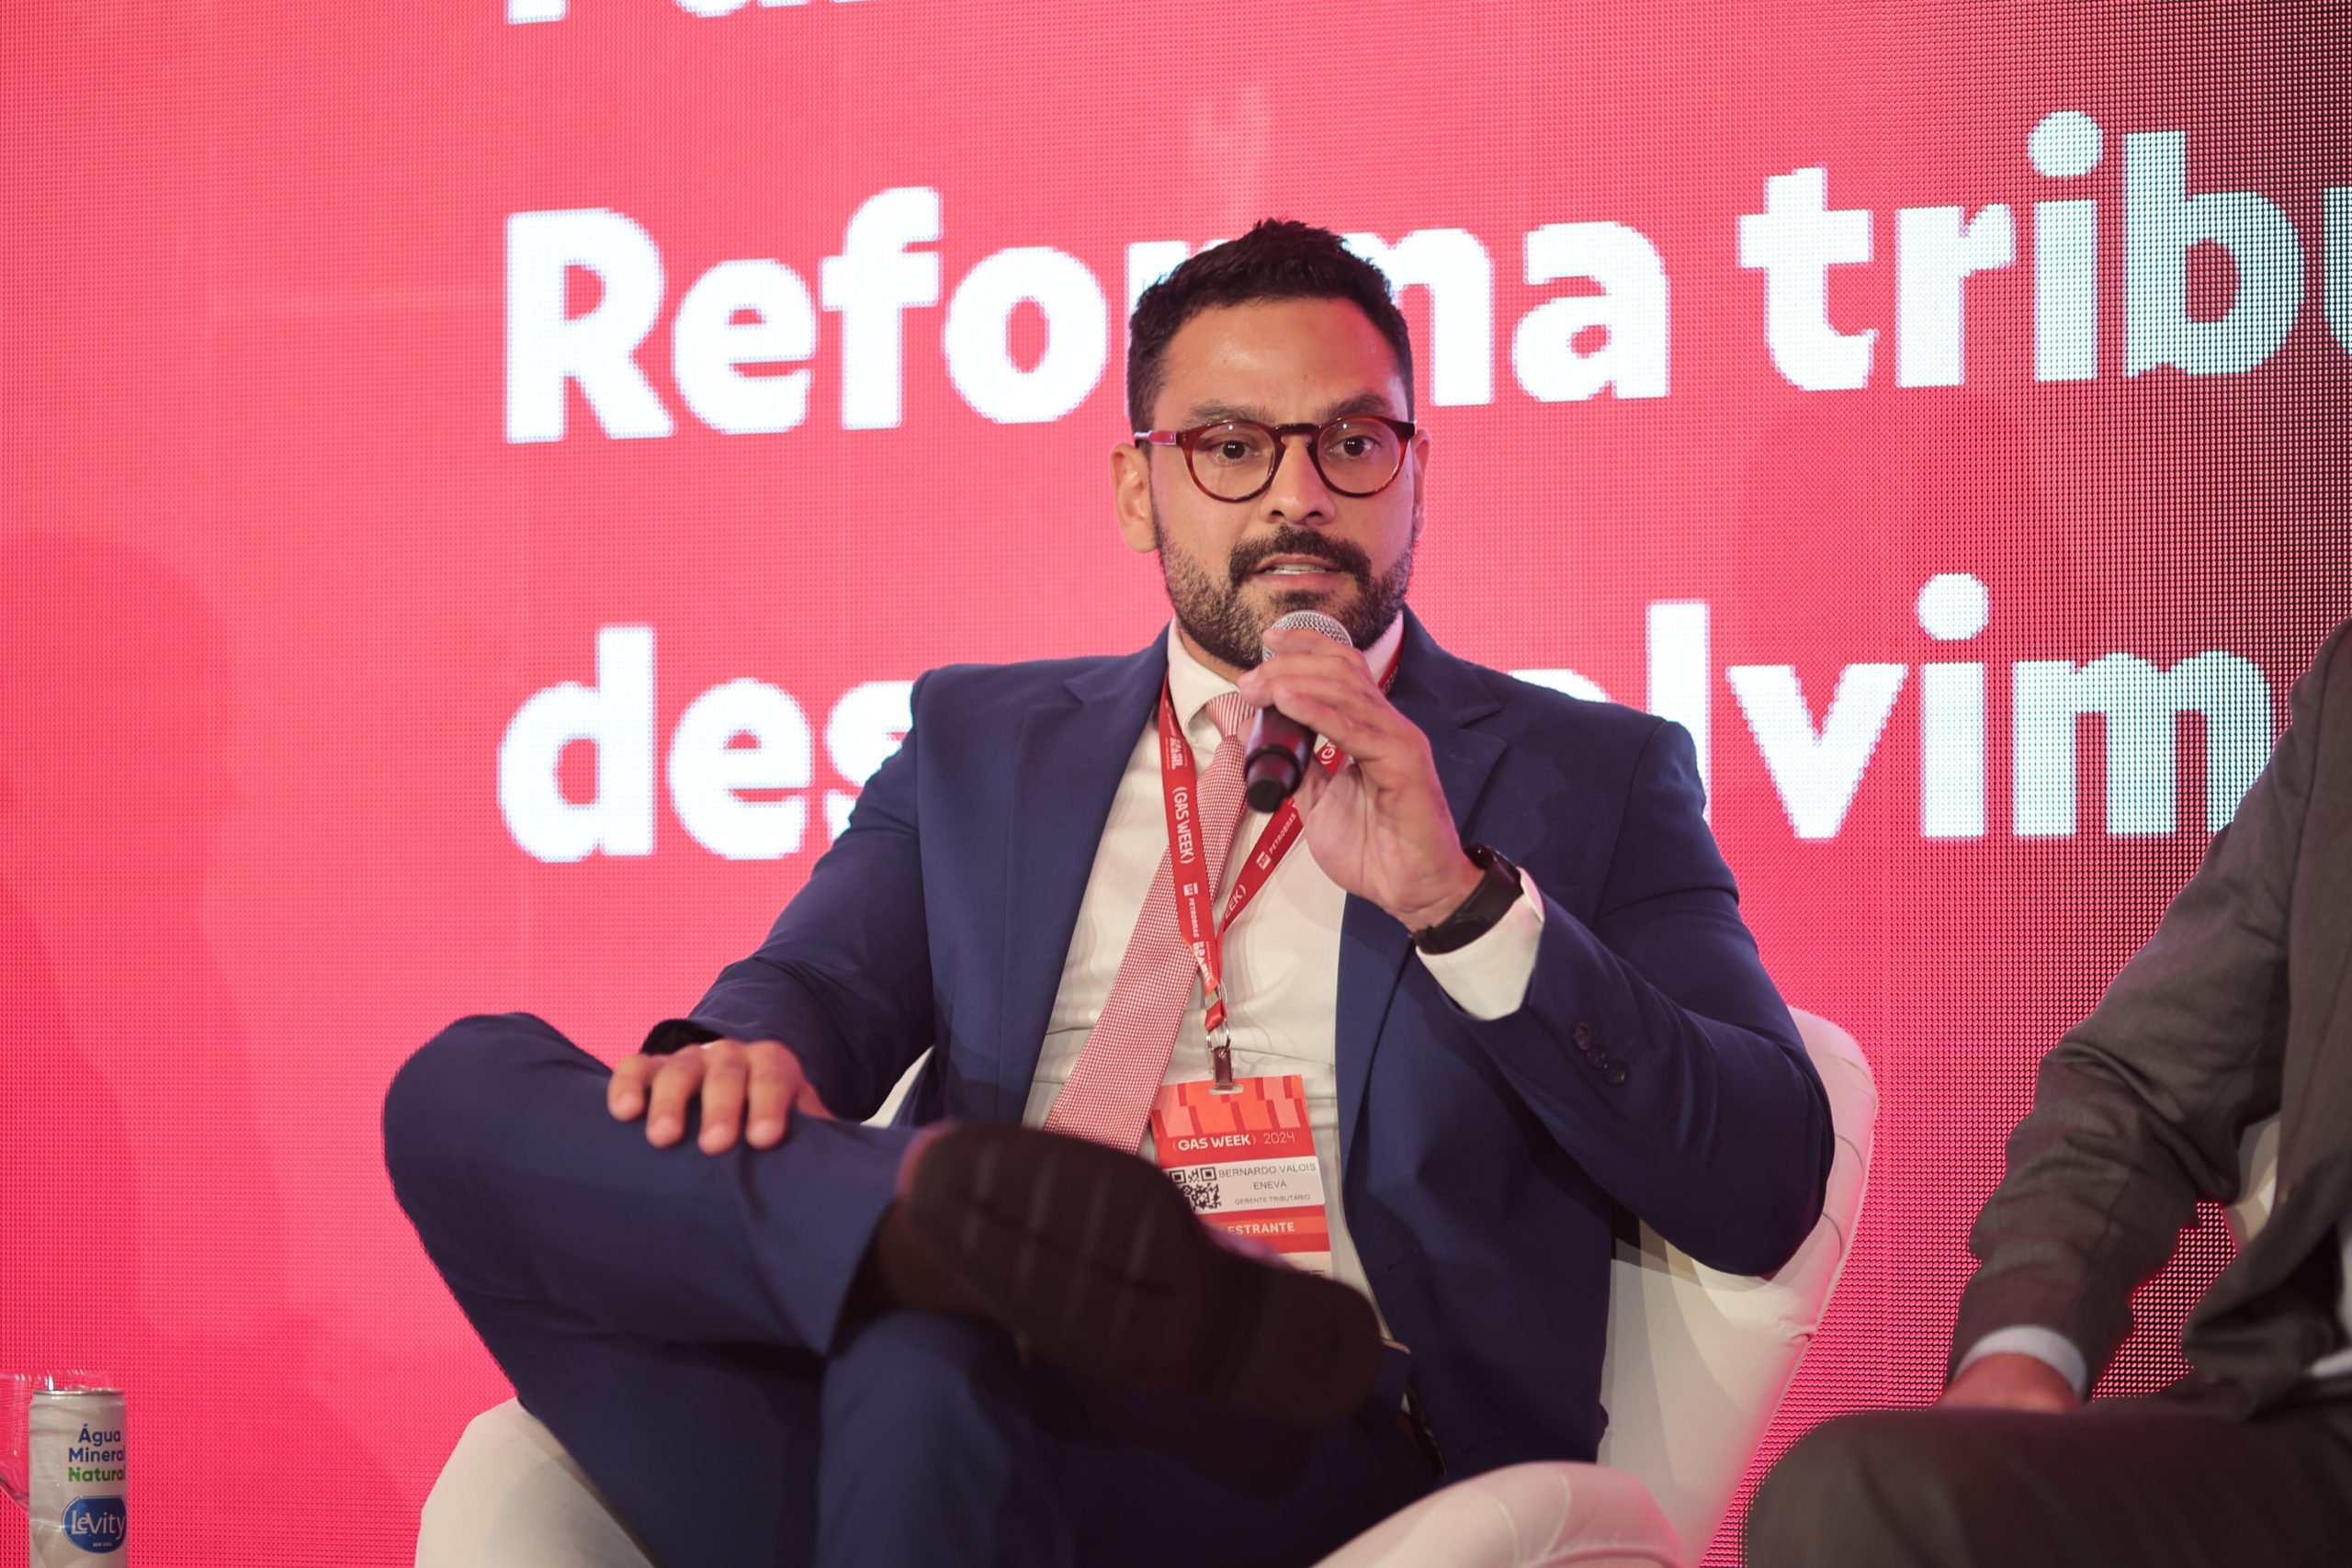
[62, 1461]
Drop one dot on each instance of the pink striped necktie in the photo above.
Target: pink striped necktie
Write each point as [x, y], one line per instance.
[1108, 1095]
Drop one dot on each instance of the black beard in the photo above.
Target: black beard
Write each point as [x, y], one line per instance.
[1233, 632]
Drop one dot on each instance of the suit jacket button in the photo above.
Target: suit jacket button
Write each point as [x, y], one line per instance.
[1582, 1036]
[1615, 1075]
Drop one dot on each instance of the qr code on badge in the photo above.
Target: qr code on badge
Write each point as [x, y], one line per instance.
[1200, 1187]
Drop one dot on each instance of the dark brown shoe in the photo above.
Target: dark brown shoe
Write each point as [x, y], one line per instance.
[1095, 1261]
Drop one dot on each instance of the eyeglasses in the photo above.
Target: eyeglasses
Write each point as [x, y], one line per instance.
[1234, 459]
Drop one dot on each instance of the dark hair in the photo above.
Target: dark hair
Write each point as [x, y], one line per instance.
[1278, 259]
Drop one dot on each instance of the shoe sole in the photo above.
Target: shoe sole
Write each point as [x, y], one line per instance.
[1098, 1264]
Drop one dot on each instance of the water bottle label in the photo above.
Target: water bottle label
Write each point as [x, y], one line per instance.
[80, 1478]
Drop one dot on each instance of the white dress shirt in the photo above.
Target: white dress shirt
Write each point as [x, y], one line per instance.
[1281, 957]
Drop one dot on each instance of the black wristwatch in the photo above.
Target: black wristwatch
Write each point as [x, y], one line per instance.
[1479, 913]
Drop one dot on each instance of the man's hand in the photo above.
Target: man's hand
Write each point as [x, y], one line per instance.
[1380, 827]
[728, 1075]
[2009, 1381]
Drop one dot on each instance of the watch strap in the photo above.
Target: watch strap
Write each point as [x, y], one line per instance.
[1496, 891]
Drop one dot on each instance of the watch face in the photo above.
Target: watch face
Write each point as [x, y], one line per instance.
[1501, 872]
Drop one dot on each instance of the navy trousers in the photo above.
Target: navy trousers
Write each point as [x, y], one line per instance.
[678, 1321]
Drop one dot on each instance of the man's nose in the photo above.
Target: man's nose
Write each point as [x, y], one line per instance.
[1298, 494]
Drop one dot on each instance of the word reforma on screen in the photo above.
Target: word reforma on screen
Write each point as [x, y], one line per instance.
[743, 335]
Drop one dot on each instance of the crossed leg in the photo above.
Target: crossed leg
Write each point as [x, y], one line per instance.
[683, 1324]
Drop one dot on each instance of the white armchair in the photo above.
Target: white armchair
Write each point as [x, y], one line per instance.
[1696, 1365]
[1697, 1362]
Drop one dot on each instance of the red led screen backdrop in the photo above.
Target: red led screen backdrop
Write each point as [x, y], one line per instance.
[477, 478]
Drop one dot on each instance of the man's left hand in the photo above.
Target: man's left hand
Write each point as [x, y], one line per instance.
[1380, 827]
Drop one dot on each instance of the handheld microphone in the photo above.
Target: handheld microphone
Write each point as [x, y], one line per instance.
[1281, 749]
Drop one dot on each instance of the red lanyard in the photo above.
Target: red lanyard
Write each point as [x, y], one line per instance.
[1180, 787]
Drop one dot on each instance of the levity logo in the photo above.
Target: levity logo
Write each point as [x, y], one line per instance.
[96, 1524]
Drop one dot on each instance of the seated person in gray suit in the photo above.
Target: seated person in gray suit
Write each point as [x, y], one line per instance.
[2239, 1007]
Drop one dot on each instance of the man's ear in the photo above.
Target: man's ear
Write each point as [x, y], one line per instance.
[1131, 496]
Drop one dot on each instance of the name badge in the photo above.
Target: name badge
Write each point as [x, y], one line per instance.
[1245, 1157]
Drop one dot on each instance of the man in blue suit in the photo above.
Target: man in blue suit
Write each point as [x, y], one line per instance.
[1502, 1004]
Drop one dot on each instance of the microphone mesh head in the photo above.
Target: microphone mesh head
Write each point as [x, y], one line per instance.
[1310, 621]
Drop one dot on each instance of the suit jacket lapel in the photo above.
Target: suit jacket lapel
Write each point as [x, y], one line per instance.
[2318, 1069]
[2314, 1159]
[2315, 1083]
[1444, 695]
[1071, 754]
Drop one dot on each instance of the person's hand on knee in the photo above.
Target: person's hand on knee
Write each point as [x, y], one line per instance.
[2009, 1381]
[754, 1089]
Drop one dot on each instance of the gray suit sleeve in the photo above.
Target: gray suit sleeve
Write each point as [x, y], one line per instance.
[2138, 1109]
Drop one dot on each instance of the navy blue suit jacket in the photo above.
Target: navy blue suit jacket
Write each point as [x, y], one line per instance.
[1652, 1070]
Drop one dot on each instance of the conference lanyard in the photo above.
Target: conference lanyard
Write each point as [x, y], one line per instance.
[1188, 865]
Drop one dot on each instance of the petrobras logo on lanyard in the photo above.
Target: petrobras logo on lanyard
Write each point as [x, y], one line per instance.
[1203, 932]
[1242, 1151]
